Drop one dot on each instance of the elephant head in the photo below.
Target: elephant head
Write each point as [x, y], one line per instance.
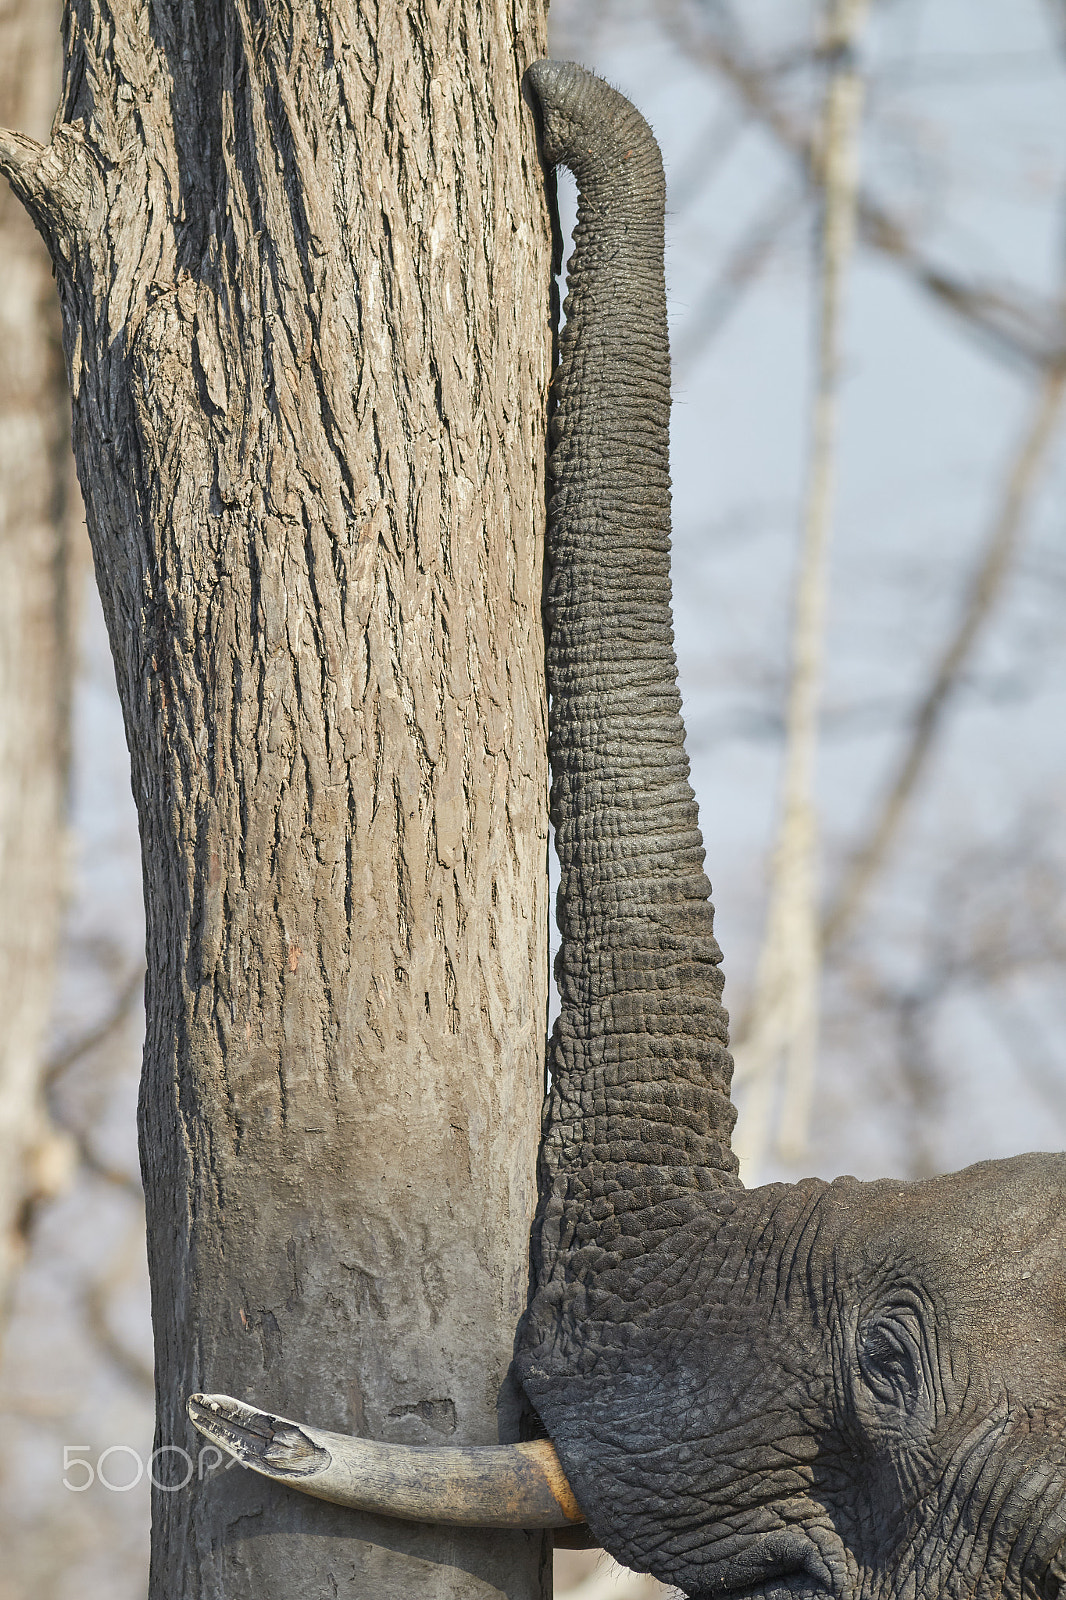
[815, 1390]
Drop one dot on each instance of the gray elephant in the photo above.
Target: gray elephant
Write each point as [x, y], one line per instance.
[846, 1389]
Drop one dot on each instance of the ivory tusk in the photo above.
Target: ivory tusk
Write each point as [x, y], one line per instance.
[476, 1486]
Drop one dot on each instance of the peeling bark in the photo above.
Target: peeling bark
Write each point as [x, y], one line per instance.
[304, 267]
[37, 521]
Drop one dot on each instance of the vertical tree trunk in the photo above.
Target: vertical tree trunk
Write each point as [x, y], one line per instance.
[304, 267]
[35, 529]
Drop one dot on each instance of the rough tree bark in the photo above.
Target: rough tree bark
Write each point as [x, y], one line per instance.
[36, 529]
[304, 264]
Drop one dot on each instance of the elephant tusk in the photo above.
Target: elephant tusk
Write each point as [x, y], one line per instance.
[475, 1486]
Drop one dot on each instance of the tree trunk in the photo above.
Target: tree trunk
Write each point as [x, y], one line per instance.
[36, 528]
[304, 266]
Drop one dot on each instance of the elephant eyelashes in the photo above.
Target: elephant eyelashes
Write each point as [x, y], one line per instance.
[890, 1363]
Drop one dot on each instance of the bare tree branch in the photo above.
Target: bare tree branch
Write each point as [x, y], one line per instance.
[94, 1039]
[1016, 327]
[743, 263]
[710, 149]
[55, 182]
[984, 590]
[112, 1020]
[97, 1302]
[94, 1163]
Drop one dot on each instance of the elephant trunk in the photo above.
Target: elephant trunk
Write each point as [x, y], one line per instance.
[639, 1114]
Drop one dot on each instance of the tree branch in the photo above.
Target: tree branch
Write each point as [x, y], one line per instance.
[985, 588]
[97, 1302]
[19, 156]
[54, 183]
[61, 1062]
[1016, 328]
[744, 262]
[120, 1009]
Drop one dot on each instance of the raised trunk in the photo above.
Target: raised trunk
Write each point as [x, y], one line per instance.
[304, 265]
[37, 526]
[639, 1110]
[640, 1117]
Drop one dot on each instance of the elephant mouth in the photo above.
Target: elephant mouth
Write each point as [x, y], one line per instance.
[793, 1570]
[793, 1585]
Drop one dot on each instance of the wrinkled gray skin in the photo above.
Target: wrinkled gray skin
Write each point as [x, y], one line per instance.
[852, 1389]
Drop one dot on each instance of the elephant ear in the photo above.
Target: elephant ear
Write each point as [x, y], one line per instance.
[639, 1117]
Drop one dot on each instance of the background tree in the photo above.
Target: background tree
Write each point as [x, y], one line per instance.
[38, 528]
[303, 262]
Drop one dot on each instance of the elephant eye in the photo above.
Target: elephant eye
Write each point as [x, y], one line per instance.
[890, 1362]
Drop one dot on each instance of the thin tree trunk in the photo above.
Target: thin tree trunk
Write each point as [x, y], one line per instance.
[35, 545]
[783, 1026]
[304, 266]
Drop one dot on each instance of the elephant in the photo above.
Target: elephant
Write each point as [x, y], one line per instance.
[848, 1390]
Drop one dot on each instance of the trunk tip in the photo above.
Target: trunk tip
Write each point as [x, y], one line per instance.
[581, 117]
